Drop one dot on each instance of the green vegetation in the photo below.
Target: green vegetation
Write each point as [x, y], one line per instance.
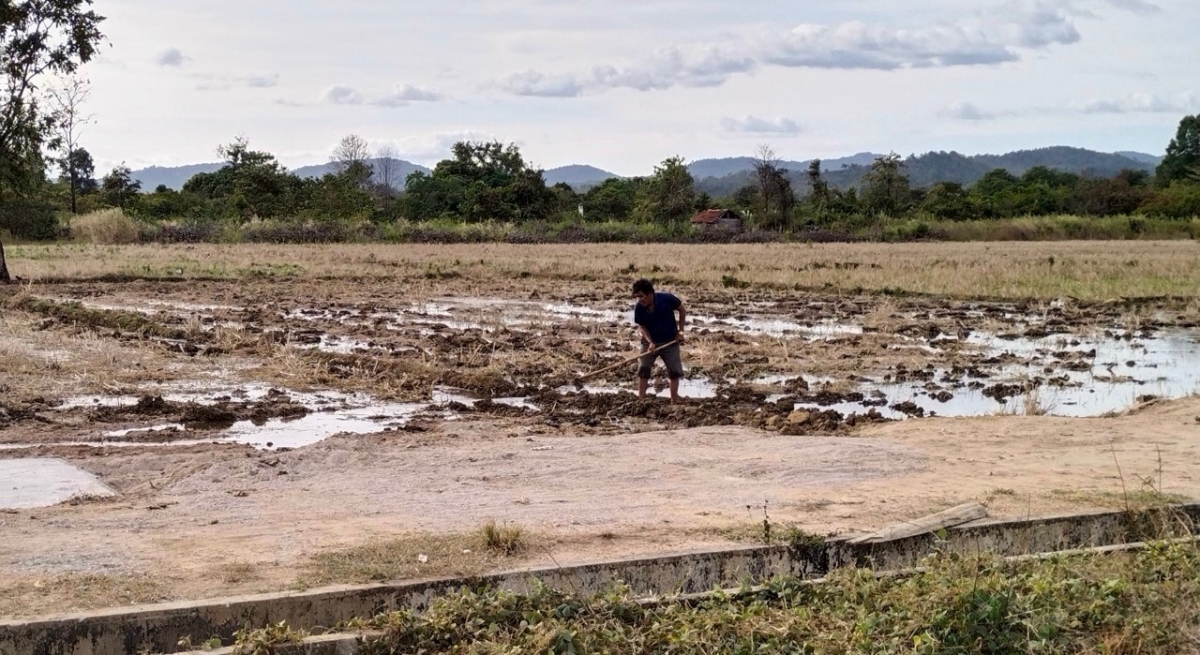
[487, 191]
[1143, 602]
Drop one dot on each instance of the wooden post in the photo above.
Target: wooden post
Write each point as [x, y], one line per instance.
[925, 525]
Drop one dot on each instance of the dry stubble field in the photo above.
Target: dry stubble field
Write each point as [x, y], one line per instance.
[273, 417]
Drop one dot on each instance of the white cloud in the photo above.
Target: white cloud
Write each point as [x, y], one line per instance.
[533, 83]
[343, 95]
[1136, 6]
[406, 94]
[266, 81]
[433, 147]
[1143, 103]
[965, 111]
[990, 37]
[756, 125]
[169, 57]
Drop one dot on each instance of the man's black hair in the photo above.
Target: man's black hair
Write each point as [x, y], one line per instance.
[644, 286]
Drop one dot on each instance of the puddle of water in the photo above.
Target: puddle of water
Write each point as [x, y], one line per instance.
[697, 388]
[1165, 366]
[37, 482]
[318, 426]
[98, 401]
[446, 395]
[331, 413]
[336, 344]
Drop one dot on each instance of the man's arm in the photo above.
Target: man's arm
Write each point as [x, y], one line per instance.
[682, 320]
[646, 336]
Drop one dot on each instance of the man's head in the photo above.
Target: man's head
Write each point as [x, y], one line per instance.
[643, 290]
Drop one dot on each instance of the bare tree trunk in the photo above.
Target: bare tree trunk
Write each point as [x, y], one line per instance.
[4, 278]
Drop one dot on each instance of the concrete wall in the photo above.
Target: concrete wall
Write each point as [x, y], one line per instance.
[159, 628]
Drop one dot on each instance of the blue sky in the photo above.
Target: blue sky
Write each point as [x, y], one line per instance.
[623, 84]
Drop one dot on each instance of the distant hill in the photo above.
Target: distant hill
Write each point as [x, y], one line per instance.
[1153, 160]
[578, 175]
[723, 177]
[400, 169]
[702, 168]
[175, 177]
[933, 167]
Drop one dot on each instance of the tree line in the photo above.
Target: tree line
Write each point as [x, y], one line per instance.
[47, 174]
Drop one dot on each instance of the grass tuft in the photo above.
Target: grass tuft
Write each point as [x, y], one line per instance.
[502, 539]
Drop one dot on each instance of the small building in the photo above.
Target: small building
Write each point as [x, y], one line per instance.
[718, 219]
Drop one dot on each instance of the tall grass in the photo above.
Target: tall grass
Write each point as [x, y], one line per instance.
[1043, 228]
[107, 226]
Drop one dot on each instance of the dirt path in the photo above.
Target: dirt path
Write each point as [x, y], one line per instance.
[265, 515]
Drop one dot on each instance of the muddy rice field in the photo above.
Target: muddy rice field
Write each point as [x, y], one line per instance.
[170, 434]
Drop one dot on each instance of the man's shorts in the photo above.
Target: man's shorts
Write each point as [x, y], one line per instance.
[671, 358]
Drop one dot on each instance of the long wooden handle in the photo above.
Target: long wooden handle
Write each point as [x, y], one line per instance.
[627, 361]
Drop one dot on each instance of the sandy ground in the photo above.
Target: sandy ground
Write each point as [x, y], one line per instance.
[187, 517]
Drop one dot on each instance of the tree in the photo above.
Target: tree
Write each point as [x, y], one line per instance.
[66, 105]
[766, 169]
[119, 187]
[611, 200]
[949, 201]
[819, 188]
[350, 159]
[37, 37]
[746, 198]
[252, 183]
[1183, 153]
[887, 190]
[4, 277]
[483, 181]
[80, 161]
[668, 196]
[1101, 197]
[387, 171]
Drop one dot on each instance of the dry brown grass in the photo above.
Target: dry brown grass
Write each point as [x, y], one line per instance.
[1085, 270]
[107, 226]
[36, 596]
[420, 556]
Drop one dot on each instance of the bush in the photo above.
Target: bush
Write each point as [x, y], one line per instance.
[1180, 200]
[25, 219]
[107, 226]
[187, 232]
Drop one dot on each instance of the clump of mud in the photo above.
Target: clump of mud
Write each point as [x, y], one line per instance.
[735, 405]
[197, 416]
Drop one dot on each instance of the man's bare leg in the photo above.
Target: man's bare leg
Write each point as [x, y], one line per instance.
[674, 390]
[643, 384]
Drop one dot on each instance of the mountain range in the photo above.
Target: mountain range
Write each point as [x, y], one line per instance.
[724, 176]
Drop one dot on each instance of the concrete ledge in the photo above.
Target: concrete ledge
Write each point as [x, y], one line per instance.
[351, 643]
[159, 628]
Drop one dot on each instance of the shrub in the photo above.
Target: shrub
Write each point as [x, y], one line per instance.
[107, 226]
[28, 220]
[1180, 200]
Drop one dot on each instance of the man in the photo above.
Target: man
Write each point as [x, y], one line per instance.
[654, 314]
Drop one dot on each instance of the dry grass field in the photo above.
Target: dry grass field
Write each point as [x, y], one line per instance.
[1088, 270]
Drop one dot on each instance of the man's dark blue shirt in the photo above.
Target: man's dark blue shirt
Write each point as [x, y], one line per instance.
[660, 323]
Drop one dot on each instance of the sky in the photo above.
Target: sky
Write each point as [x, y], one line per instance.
[624, 84]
